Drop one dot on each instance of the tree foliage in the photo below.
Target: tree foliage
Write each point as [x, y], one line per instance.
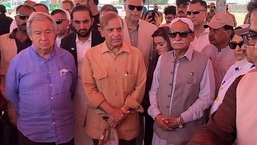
[160, 2]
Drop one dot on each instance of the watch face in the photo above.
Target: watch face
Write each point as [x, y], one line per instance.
[180, 125]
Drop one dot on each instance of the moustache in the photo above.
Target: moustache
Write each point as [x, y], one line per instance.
[82, 30]
[178, 42]
[181, 12]
[24, 24]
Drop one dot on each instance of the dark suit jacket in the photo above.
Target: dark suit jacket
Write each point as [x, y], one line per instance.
[69, 42]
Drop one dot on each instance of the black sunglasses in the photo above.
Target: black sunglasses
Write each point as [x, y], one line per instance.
[195, 12]
[132, 7]
[250, 38]
[59, 21]
[233, 44]
[22, 17]
[182, 34]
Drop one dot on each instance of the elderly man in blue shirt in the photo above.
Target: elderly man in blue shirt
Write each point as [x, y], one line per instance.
[40, 83]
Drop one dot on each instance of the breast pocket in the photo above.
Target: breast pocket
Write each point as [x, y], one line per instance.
[101, 80]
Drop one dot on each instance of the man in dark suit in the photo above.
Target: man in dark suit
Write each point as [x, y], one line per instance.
[77, 43]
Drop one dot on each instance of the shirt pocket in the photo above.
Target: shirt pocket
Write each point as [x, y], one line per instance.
[101, 80]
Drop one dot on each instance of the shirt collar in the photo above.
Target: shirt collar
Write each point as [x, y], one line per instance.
[12, 34]
[105, 49]
[35, 51]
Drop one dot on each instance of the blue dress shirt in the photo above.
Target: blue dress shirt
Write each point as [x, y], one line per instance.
[41, 91]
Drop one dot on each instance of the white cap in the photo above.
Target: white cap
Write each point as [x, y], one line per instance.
[67, 14]
[184, 20]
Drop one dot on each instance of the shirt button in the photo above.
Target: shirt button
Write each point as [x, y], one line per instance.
[53, 123]
[169, 95]
[167, 106]
[52, 98]
[52, 110]
[51, 85]
[171, 72]
[170, 84]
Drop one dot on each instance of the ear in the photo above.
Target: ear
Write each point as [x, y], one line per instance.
[101, 31]
[228, 33]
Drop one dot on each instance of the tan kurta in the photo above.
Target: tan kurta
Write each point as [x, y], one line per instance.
[119, 80]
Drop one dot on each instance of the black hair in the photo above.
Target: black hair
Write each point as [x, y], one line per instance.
[251, 6]
[81, 8]
[170, 10]
[201, 2]
[25, 6]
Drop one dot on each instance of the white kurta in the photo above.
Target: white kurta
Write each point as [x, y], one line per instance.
[80, 100]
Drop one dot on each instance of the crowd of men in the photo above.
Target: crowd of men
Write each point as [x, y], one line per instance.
[82, 76]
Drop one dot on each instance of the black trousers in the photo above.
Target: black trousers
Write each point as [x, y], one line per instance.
[23, 140]
[121, 142]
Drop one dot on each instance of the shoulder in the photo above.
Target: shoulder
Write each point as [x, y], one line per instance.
[63, 52]
[147, 25]
[93, 50]
[200, 58]
[5, 36]
[70, 37]
[133, 49]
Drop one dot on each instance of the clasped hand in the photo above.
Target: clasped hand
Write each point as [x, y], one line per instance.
[166, 122]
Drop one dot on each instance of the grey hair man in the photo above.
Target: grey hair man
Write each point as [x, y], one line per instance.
[44, 104]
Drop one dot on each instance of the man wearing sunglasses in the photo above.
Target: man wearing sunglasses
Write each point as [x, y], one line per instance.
[234, 122]
[179, 103]
[77, 43]
[197, 12]
[138, 32]
[240, 67]
[220, 33]
[62, 20]
[11, 44]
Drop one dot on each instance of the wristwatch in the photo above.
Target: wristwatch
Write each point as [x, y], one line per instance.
[180, 125]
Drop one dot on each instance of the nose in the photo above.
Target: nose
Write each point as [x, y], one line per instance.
[43, 36]
[81, 26]
[178, 37]
[244, 47]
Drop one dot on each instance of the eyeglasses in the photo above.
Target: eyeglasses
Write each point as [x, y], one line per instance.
[250, 38]
[195, 12]
[182, 34]
[22, 17]
[233, 44]
[59, 21]
[132, 7]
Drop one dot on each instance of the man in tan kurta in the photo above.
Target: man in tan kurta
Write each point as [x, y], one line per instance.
[114, 76]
